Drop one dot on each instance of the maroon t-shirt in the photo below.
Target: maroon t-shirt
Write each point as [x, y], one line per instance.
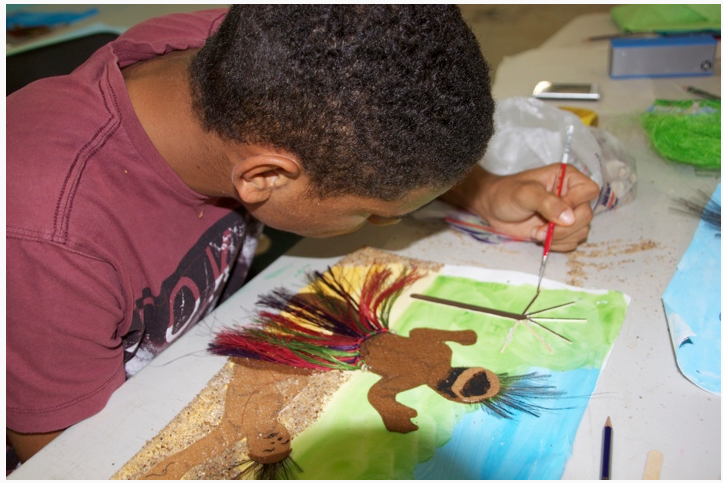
[110, 256]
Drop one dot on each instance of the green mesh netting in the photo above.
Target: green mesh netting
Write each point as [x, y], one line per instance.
[686, 131]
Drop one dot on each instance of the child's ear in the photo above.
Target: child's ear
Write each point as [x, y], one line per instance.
[256, 177]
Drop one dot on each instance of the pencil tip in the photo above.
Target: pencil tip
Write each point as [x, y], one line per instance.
[608, 422]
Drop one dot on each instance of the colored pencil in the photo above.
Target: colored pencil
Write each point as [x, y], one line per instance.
[607, 450]
[618, 36]
[702, 93]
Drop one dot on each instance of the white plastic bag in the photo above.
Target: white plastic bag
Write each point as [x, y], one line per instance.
[530, 134]
[618, 165]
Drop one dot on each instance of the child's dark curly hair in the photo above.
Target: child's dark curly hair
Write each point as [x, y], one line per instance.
[376, 100]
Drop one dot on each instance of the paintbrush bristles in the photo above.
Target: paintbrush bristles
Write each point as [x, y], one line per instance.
[700, 206]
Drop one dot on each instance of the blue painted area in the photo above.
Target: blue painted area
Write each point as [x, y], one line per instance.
[692, 304]
[487, 447]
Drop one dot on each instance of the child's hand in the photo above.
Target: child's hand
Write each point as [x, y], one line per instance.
[521, 205]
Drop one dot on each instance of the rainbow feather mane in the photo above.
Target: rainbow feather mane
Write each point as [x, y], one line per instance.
[320, 329]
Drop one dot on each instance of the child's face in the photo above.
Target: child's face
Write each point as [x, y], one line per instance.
[294, 211]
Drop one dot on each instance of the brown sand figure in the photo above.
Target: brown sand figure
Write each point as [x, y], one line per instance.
[337, 326]
[256, 393]
[397, 360]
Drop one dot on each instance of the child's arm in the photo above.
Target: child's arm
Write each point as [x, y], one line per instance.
[26, 445]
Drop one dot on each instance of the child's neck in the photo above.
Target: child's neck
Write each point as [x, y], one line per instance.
[159, 90]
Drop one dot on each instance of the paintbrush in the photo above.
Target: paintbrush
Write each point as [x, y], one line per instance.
[700, 92]
[558, 191]
[701, 207]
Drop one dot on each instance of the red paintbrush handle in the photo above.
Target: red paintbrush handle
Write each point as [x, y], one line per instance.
[560, 177]
[551, 225]
[548, 239]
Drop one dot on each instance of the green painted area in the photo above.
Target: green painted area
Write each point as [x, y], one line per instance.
[349, 441]
[591, 340]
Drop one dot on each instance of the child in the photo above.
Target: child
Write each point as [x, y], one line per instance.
[138, 185]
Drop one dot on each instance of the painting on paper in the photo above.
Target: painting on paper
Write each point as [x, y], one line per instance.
[426, 372]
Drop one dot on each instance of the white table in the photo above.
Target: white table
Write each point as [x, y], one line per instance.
[566, 58]
[651, 404]
[634, 250]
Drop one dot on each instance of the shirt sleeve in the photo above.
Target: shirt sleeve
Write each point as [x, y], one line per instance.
[64, 350]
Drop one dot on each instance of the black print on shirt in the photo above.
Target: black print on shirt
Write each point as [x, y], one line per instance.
[190, 292]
